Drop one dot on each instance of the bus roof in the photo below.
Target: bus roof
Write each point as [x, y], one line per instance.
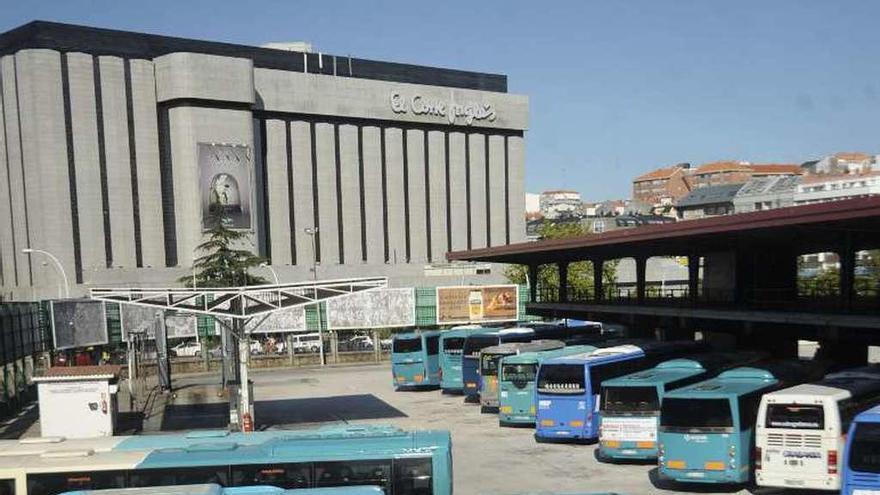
[212, 489]
[870, 416]
[416, 334]
[158, 451]
[535, 357]
[747, 379]
[676, 369]
[856, 382]
[600, 354]
[520, 347]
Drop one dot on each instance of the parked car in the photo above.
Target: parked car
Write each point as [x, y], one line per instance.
[307, 342]
[187, 349]
[357, 343]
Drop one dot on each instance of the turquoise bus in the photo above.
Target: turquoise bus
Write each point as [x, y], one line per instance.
[516, 384]
[399, 462]
[707, 430]
[451, 347]
[470, 358]
[629, 406]
[861, 457]
[415, 360]
[491, 356]
[568, 387]
[212, 489]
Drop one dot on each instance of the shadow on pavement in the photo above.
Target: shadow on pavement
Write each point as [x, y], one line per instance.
[271, 413]
[662, 484]
[15, 427]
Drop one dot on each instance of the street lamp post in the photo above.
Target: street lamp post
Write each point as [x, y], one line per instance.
[313, 232]
[58, 265]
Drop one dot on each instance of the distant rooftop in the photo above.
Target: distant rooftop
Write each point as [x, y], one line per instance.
[710, 195]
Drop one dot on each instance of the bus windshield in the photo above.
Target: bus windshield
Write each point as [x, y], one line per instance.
[630, 399]
[453, 345]
[864, 453]
[795, 417]
[489, 364]
[474, 345]
[561, 379]
[690, 414]
[407, 345]
[519, 374]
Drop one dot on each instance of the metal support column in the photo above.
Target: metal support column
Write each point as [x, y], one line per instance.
[847, 256]
[693, 277]
[598, 282]
[563, 281]
[533, 283]
[641, 263]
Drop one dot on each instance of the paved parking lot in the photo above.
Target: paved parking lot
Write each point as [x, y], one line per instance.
[488, 459]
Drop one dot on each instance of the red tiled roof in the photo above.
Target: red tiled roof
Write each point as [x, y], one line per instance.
[776, 169]
[852, 156]
[560, 191]
[660, 173]
[722, 166]
[82, 371]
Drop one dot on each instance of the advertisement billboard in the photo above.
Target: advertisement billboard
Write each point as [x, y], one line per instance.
[78, 323]
[380, 308]
[139, 320]
[476, 304]
[180, 326]
[225, 191]
[288, 320]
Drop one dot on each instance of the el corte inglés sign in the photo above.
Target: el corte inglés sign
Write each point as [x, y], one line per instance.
[454, 112]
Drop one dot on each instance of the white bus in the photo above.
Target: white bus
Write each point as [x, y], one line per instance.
[800, 431]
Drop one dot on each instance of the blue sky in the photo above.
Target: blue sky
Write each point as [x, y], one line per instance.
[616, 88]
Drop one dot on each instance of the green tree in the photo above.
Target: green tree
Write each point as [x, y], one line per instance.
[580, 273]
[222, 264]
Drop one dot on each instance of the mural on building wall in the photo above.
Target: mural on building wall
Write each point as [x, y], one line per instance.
[78, 323]
[225, 177]
[380, 308]
[474, 304]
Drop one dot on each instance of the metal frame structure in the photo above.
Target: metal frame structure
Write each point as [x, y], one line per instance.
[242, 305]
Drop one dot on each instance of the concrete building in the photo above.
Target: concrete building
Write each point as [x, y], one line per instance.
[561, 203]
[708, 201]
[533, 203]
[765, 193]
[822, 188]
[117, 146]
[736, 172]
[844, 163]
[664, 186]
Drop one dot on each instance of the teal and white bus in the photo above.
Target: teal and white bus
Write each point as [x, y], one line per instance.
[451, 350]
[707, 430]
[490, 358]
[415, 360]
[516, 384]
[629, 407]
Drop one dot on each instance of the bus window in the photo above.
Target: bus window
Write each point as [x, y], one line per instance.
[453, 345]
[489, 366]
[433, 345]
[473, 345]
[407, 345]
[413, 476]
[561, 379]
[376, 473]
[287, 476]
[690, 414]
[519, 374]
[7, 487]
[630, 399]
[52, 483]
[180, 476]
[864, 452]
[795, 416]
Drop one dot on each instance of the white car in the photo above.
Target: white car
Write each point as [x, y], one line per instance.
[307, 342]
[187, 349]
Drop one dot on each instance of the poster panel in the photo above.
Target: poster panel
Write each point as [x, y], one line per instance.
[225, 185]
[78, 323]
[181, 326]
[476, 304]
[288, 320]
[138, 319]
[379, 308]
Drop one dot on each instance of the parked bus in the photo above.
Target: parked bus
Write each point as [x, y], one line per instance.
[415, 360]
[516, 383]
[451, 346]
[800, 431]
[629, 407]
[489, 363]
[861, 459]
[399, 462]
[470, 359]
[706, 432]
[212, 489]
[568, 387]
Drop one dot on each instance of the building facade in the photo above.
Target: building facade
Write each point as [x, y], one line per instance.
[822, 188]
[560, 203]
[664, 186]
[708, 201]
[118, 148]
[765, 193]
